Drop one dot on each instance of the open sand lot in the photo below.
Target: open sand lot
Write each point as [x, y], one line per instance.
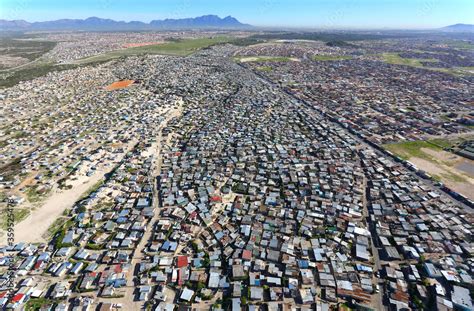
[445, 166]
[134, 45]
[37, 223]
[454, 171]
[267, 59]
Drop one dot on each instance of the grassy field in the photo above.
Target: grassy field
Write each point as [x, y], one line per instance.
[441, 166]
[19, 214]
[177, 48]
[331, 57]
[54, 228]
[409, 149]
[457, 71]
[30, 72]
[395, 59]
[460, 44]
[37, 303]
[264, 68]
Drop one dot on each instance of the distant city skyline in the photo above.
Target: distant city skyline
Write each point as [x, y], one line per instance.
[402, 14]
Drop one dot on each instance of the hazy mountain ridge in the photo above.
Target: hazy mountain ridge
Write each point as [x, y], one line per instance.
[459, 28]
[96, 23]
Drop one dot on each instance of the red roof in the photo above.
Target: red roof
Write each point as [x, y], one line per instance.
[180, 277]
[182, 261]
[216, 198]
[18, 297]
[38, 264]
[246, 254]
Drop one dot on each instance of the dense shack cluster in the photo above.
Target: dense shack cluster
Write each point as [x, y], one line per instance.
[382, 102]
[232, 193]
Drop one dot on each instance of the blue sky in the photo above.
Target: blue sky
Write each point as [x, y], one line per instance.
[293, 13]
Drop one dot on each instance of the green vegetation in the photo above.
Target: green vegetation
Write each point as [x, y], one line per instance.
[131, 170]
[413, 149]
[456, 71]
[409, 149]
[345, 307]
[331, 57]
[104, 205]
[37, 303]
[395, 59]
[61, 233]
[460, 44]
[443, 143]
[58, 230]
[200, 285]
[264, 68]
[246, 41]
[195, 247]
[30, 72]
[23, 47]
[36, 69]
[453, 177]
[91, 190]
[12, 169]
[25, 52]
[183, 47]
[206, 261]
[18, 213]
[340, 43]
[58, 223]
[33, 195]
[18, 134]
[94, 246]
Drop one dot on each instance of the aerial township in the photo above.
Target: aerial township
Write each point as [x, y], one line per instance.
[214, 183]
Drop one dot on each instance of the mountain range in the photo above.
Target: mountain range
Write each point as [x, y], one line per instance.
[201, 22]
[459, 28]
[96, 23]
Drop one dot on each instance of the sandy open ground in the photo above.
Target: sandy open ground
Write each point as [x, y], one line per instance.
[33, 228]
[446, 167]
[134, 45]
[37, 223]
[265, 58]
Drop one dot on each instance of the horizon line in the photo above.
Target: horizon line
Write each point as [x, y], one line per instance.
[301, 27]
